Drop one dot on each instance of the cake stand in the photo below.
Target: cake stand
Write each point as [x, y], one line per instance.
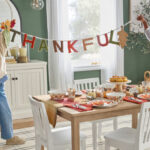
[119, 85]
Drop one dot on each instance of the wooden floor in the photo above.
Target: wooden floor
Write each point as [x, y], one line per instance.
[28, 122]
[23, 123]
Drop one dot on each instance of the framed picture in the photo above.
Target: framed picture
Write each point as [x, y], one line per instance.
[135, 10]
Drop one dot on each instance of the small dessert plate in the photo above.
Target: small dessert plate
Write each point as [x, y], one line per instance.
[103, 103]
[145, 96]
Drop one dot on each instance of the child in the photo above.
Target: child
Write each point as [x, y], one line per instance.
[147, 29]
[5, 113]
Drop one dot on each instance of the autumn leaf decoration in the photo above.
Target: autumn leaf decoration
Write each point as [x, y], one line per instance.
[122, 38]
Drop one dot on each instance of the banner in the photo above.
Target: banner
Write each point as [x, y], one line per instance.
[58, 45]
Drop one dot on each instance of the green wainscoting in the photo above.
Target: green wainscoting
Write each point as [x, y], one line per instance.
[87, 74]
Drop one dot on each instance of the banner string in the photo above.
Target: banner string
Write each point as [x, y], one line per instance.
[29, 35]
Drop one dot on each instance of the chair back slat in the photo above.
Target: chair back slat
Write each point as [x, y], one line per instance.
[42, 126]
[84, 84]
[143, 134]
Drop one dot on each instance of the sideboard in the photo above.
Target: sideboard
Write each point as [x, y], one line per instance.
[25, 79]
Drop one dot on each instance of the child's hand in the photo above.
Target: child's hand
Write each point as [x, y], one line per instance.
[144, 22]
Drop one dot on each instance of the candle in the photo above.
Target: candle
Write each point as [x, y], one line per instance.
[14, 52]
[23, 52]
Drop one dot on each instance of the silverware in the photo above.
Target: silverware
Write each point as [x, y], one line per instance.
[79, 106]
[135, 99]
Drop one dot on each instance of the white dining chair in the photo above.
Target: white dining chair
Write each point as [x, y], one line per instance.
[91, 83]
[53, 139]
[129, 138]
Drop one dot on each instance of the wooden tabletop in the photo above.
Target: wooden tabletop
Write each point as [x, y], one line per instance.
[118, 110]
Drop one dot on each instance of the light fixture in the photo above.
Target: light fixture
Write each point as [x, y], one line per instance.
[37, 4]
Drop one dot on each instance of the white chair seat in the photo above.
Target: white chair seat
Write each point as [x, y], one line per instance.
[125, 136]
[62, 136]
[129, 138]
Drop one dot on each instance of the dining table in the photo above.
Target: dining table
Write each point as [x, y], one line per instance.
[76, 117]
[124, 108]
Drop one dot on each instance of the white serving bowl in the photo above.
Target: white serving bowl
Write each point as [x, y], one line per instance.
[117, 96]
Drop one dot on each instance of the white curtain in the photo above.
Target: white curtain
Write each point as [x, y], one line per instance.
[112, 56]
[59, 64]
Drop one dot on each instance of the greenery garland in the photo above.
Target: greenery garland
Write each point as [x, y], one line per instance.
[138, 41]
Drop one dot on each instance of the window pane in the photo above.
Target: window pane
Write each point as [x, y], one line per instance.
[84, 21]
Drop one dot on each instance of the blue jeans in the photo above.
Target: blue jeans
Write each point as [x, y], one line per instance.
[5, 113]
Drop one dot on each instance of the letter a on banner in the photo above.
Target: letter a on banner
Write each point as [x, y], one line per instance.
[32, 42]
[43, 45]
[56, 45]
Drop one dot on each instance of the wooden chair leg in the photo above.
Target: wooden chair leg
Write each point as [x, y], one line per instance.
[107, 146]
[115, 123]
[83, 145]
[94, 135]
[42, 147]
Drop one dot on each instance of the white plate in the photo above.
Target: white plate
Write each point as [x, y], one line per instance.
[140, 96]
[112, 104]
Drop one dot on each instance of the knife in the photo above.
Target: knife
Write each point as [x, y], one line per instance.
[137, 100]
[79, 106]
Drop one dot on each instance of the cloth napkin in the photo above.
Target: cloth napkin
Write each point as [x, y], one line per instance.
[51, 107]
[128, 99]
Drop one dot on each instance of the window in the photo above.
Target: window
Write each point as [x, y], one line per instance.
[84, 21]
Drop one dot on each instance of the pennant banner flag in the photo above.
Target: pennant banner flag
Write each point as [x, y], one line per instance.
[58, 45]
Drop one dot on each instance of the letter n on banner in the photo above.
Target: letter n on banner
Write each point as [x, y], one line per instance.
[32, 42]
[56, 45]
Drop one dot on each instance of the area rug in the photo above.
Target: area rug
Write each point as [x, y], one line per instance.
[29, 135]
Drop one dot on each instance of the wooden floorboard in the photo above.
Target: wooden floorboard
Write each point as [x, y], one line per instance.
[23, 123]
[28, 122]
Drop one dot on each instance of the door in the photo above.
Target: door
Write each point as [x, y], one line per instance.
[28, 82]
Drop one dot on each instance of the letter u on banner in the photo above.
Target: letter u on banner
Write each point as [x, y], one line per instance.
[32, 42]
[99, 41]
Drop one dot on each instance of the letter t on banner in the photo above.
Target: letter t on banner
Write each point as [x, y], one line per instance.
[28, 41]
